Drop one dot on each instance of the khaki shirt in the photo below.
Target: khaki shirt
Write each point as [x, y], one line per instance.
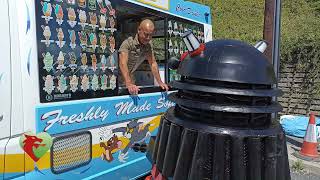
[137, 53]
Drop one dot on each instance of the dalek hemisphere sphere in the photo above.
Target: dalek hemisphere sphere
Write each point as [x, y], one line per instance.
[221, 127]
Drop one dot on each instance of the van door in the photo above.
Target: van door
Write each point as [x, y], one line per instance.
[5, 82]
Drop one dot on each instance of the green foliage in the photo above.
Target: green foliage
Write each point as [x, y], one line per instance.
[300, 30]
[297, 166]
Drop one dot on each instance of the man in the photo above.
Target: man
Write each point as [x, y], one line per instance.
[133, 51]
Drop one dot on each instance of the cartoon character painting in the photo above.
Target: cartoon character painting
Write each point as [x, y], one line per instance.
[136, 132]
[112, 144]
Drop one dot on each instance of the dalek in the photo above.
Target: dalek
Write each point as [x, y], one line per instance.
[223, 125]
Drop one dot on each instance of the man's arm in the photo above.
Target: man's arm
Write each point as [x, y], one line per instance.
[123, 63]
[155, 71]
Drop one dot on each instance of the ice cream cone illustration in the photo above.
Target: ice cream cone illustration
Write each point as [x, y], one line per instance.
[59, 13]
[47, 10]
[47, 35]
[94, 62]
[47, 61]
[85, 83]
[93, 40]
[48, 84]
[72, 17]
[170, 29]
[181, 48]
[170, 49]
[181, 29]
[93, 20]
[103, 10]
[112, 43]
[92, 4]
[61, 61]
[103, 62]
[112, 24]
[82, 3]
[60, 36]
[95, 83]
[103, 41]
[112, 12]
[73, 61]
[74, 81]
[176, 48]
[112, 63]
[83, 18]
[83, 39]
[62, 83]
[113, 82]
[84, 61]
[175, 29]
[103, 22]
[104, 80]
[73, 37]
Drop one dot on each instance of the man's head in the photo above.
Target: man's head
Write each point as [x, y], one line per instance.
[145, 31]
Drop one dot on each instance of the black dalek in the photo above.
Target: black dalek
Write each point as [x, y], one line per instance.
[223, 126]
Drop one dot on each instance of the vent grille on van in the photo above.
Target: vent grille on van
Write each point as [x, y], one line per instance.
[70, 152]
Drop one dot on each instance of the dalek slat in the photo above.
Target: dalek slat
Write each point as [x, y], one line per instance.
[172, 150]
[183, 166]
[163, 143]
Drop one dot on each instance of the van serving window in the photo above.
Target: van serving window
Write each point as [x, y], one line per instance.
[78, 48]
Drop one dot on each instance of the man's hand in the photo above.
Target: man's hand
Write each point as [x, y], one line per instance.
[164, 86]
[132, 88]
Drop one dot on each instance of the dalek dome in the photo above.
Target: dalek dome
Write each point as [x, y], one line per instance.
[229, 61]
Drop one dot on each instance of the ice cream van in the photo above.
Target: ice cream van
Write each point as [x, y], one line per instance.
[62, 112]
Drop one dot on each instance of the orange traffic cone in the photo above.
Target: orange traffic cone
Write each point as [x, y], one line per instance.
[309, 146]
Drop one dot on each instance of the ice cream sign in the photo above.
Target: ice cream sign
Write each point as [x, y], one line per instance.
[161, 4]
[68, 116]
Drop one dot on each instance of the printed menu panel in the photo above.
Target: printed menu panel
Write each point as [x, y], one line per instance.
[175, 44]
[76, 49]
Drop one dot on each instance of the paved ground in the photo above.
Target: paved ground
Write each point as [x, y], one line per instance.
[310, 170]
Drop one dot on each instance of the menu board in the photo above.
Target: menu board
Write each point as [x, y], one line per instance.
[176, 46]
[76, 49]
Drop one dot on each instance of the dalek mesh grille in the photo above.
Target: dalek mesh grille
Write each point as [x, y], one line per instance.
[70, 152]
